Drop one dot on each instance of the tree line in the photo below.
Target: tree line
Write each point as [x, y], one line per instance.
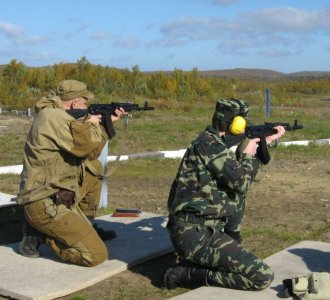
[22, 86]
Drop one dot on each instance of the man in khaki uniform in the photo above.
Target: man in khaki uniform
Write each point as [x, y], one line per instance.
[61, 178]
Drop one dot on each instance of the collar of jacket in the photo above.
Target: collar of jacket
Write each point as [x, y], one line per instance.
[49, 101]
[214, 132]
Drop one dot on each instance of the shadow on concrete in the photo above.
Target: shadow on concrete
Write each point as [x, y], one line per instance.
[150, 233]
[279, 289]
[155, 269]
[315, 260]
[11, 223]
[135, 238]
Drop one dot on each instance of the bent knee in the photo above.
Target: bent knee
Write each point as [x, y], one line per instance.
[98, 258]
[92, 254]
[262, 281]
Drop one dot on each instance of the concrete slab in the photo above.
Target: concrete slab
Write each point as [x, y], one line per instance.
[299, 259]
[138, 240]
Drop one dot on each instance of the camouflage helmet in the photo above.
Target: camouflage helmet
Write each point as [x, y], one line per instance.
[226, 110]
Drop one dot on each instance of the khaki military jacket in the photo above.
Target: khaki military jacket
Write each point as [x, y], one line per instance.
[55, 152]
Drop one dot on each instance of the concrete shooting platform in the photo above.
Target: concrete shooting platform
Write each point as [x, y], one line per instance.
[299, 259]
[138, 239]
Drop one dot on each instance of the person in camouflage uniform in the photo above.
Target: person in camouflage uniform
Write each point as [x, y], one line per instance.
[61, 178]
[206, 206]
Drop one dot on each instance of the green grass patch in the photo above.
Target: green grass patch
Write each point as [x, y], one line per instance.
[9, 183]
[145, 168]
[12, 145]
[276, 238]
[174, 127]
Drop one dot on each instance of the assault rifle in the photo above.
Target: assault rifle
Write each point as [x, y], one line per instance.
[261, 131]
[107, 109]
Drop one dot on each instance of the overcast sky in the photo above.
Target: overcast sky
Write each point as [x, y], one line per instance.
[285, 36]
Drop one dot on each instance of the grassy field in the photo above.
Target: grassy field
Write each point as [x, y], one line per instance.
[288, 202]
[172, 126]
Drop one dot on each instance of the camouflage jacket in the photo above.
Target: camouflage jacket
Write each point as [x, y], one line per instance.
[210, 181]
[56, 151]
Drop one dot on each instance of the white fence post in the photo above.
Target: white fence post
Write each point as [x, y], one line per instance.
[104, 190]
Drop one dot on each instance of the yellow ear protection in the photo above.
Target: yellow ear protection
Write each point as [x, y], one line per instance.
[238, 124]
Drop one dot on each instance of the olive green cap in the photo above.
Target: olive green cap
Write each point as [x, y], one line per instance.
[72, 89]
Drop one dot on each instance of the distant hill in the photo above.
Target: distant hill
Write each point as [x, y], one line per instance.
[253, 74]
[256, 74]
[310, 74]
[244, 73]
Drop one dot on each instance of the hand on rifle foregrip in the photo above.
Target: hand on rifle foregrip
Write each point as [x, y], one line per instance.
[117, 114]
[276, 136]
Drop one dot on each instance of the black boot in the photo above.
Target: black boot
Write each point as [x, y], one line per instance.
[105, 235]
[186, 275]
[32, 239]
[288, 288]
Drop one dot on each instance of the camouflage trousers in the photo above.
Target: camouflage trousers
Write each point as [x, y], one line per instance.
[229, 264]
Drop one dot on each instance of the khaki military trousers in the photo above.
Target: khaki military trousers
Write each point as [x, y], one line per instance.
[91, 190]
[68, 232]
